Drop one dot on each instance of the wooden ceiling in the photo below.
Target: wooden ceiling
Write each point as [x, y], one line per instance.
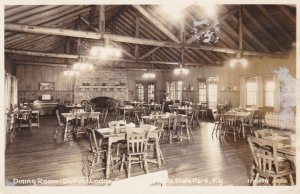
[145, 35]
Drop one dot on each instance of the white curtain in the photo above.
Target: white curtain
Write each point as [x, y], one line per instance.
[15, 92]
[260, 92]
[276, 93]
[243, 92]
[7, 92]
[10, 91]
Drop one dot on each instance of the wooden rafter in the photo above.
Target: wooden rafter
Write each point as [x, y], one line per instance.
[149, 53]
[102, 20]
[137, 31]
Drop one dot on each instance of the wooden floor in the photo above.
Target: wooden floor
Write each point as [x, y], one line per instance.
[35, 159]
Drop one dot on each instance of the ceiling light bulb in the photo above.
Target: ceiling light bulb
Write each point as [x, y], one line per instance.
[233, 62]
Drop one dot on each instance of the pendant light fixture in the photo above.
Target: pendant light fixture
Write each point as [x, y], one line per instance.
[239, 60]
[149, 74]
[181, 69]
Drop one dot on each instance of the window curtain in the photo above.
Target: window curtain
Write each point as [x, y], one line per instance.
[243, 92]
[276, 93]
[14, 92]
[260, 92]
[10, 92]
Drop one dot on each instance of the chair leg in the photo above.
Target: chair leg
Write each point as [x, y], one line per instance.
[291, 179]
[274, 181]
[129, 167]
[145, 163]
[255, 179]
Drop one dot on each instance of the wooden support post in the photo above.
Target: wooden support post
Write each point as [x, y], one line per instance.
[102, 20]
[137, 26]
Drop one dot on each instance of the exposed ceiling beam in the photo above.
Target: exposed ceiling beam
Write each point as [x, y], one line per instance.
[71, 56]
[102, 20]
[137, 33]
[116, 44]
[149, 52]
[39, 63]
[89, 24]
[127, 39]
[157, 23]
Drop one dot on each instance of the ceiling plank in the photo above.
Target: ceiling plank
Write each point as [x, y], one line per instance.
[287, 13]
[157, 24]
[274, 22]
[251, 35]
[259, 25]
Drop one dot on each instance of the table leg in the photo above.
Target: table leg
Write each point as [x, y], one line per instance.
[158, 151]
[66, 131]
[243, 129]
[108, 158]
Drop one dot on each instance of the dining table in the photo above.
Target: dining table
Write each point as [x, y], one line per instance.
[113, 137]
[79, 115]
[286, 147]
[241, 116]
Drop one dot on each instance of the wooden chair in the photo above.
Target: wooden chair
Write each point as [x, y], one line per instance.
[230, 126]
[203, 110]
[24, 120]
[248, 124]
[11, 127]
[153, 145]
[173, 129]
[103, 117]
[218, 122]
[136, 150]
[265, 161]
[185, 125]
[60, 126]
[95, 160]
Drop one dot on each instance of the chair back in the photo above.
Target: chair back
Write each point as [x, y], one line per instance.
[94, 147]
[264, 153]
[136, 142]
[230, 121]
[204, 106]
[60, 123]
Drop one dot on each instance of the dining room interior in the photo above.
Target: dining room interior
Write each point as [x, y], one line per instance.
[185, 94]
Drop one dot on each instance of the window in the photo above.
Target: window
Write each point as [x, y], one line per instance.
[140, 92]
[150, 92]
[269, 91]
[251, 87]
[202, 92]
[174, 90]
[145, 92]
[212, 91]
